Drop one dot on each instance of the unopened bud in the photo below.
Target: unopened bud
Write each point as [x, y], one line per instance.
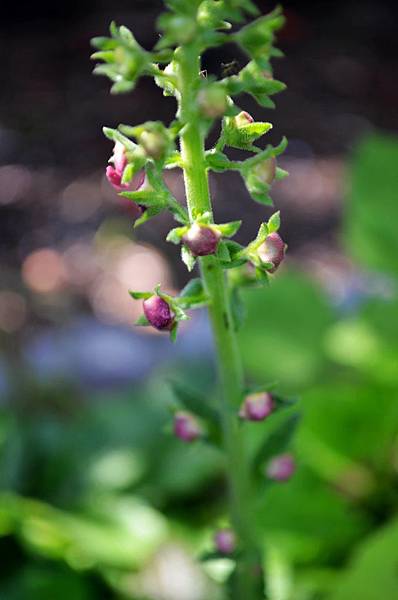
[119, 157]
[154, 143]
[281, 467]
[266, 170]
[272, 250]
[242, 119]
[212, 101]
[201, 239]
[225, 541]
[186, 427]
[158, 313]
[256, 407]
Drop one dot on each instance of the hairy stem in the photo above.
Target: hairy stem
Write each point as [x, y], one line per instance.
[229, 362]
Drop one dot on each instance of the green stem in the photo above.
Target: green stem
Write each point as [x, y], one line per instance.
[229, 362]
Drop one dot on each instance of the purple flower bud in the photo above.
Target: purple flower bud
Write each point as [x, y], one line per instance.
[158, 313]
[281, 468]
[266, 170]
[186, 427]
[256, 407]
[201, 239]
[225, 541]
[243, 118]
[272, 250]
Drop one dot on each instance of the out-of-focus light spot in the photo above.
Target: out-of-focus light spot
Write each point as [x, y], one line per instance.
[352, 343]
[82, 263]
[117, 469]
[172, 575]
[313, 185]
[15, 182]
[44, 271]
[12, 311]
[80, 201]
[126, 266]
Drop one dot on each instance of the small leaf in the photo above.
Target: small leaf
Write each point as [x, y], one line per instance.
[175, 235]
[238, 308]
[194, 287]
[173, 332]
[140, 295]
[142, 321]
[223, 252]
[194, 402]
[274, 222]
[228, 229]
[187, 257]
[281, 174]
[217, 161]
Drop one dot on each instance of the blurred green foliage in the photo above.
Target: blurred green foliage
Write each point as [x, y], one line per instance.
[86, 486]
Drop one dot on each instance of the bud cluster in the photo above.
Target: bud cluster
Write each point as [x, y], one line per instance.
[141, 155]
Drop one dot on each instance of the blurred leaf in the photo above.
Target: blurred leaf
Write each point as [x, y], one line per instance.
[283, 334]
[371, 213]
[372, 574]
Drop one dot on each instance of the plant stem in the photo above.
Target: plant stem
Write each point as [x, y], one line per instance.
[229, 362]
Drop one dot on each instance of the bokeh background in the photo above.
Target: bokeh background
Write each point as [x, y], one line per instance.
[97, 500]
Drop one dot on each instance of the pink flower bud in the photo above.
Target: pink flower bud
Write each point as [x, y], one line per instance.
[186, 427]
[225, 541]
[266, 170]
[256, 407]
[243, 118]
[201, 239]
[158, 313]
[119, 157]
[281, 467]
[272, 250]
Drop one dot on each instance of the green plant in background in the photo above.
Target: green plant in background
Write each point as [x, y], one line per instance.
[140, 155]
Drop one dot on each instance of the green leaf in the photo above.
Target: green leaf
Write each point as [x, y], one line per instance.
[150, 212]
[277, 440]
[238, 308]
[194, 402]
[228, 229]
[194, 287]
[274, 222]
[142, 321]
[257, 37]
[140, 295]
[223, 252]
[175, 235]
[116, 136]
[187, 257]
[217, 161]
[193, 295]
[173, 332]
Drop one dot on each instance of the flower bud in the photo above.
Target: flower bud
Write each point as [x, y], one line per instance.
[242, 119]
[272, 250]
[119, 157]
[186, 427]
[281, 467]
[225, 541]
[158, 313]
[114, 174]
[256, 407]
[212, 101]
[154, 143]
[265, 171]
[201, 239]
